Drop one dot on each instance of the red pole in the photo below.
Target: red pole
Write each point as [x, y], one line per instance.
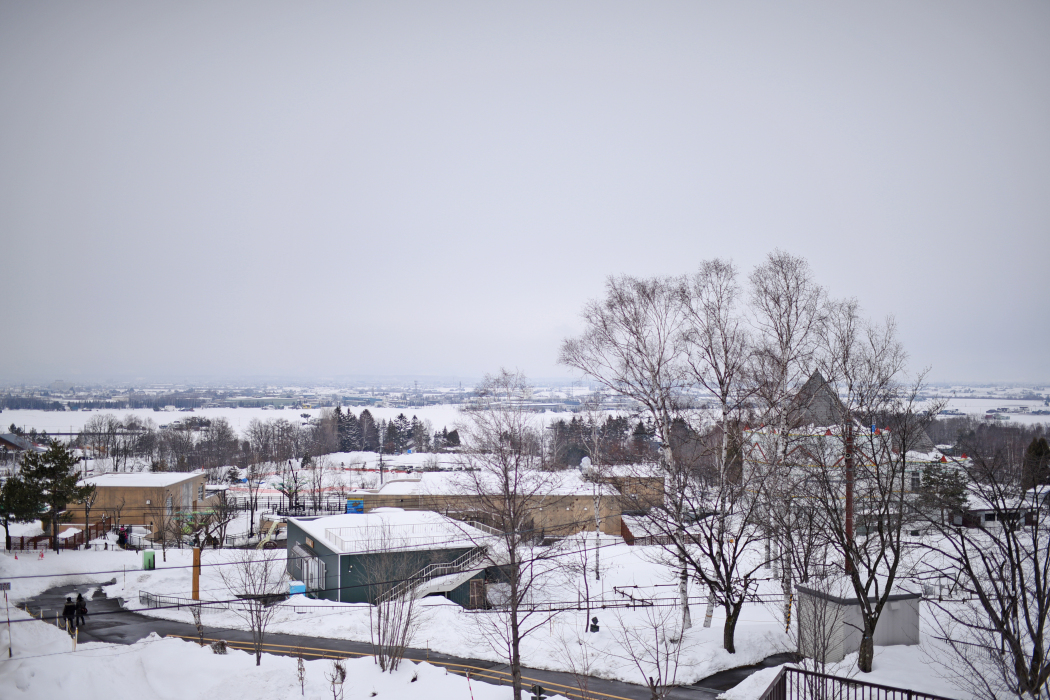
[849, 495]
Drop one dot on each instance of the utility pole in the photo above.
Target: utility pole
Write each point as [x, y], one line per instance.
[196, 573]
[849, 496]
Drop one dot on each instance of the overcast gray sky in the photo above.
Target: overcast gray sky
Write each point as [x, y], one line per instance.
[305, 189]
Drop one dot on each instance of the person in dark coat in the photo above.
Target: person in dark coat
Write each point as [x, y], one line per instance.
[69, 612]
[81, 610]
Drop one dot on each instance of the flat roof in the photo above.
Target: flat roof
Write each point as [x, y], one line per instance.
[564, 483]
[386, 529]
[141, 479]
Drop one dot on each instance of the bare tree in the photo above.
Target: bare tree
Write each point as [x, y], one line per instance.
[710, 521]
[506, 485]
[997, 626]
[394, 615]
[292, 482]
[336, 677]
[581, 659]
[316, 475]
[257, 579]
[862, 479]
[654, 647]
[632, 345]
[717, 347]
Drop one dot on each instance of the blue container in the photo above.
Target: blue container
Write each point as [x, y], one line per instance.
[296, 588]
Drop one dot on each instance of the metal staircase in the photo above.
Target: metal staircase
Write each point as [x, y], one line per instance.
[412, 586]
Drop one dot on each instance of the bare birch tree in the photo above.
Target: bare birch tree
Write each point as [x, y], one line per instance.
[653, 647]
[632, 345]
[394, 615]
[257, 579]
[997, 625]
[505, 455]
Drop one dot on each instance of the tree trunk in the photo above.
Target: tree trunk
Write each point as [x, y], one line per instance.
[683, 592]
[867, 650]
[515, 656]
[729, 632]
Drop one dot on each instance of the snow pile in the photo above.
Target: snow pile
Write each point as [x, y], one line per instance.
[44, 666]
[897, 666]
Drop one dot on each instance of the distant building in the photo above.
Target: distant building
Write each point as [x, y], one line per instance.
[352, 558]
[565, 509]
[142, 498]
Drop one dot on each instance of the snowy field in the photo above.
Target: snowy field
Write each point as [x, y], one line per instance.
[979, 407]
[442, 416]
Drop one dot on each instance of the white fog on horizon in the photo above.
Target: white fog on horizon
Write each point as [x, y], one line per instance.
[234, 189]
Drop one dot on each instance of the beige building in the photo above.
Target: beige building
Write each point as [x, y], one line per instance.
[145, 497]
[566, 506]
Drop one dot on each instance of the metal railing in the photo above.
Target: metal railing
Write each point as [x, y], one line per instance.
[799, 684]
[154, 600]
[432, 571]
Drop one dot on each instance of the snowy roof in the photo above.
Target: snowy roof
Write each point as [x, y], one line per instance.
[565, 483]
[141, 479]
[840, 590]
[385, 529]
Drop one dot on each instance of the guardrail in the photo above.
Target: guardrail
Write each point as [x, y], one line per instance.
[155, 601]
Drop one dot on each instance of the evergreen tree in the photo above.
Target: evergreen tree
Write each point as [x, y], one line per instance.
[452, 438]
[18, 504]
[340, 427]
[52, 475]
[351, 437]
[440, 439]
[1036, 468]
[369, 432]
[420, 441]
[943, 491]
[402, 433]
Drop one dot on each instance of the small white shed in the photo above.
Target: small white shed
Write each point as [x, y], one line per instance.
[829, 620]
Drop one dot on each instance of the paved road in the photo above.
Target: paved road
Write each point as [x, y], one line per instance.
[107, 622]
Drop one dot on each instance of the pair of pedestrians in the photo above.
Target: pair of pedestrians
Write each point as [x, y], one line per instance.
[75, 612]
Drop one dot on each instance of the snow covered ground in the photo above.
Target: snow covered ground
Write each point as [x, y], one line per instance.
[560, 644]
[897, 666]
[45, 666]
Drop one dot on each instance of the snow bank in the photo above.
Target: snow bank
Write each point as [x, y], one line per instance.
[44, 666]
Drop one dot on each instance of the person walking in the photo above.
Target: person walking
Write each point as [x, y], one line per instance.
[81, 610]
[69, 611]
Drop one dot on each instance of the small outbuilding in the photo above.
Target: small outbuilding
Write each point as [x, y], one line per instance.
[829, 620]
[352, 558]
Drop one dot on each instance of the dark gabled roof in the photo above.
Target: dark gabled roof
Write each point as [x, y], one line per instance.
[14, 442]
[816, 403]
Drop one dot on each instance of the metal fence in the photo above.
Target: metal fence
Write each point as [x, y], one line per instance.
[153, 600]
[799, 684]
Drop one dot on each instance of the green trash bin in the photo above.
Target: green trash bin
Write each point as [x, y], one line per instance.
[149, 560]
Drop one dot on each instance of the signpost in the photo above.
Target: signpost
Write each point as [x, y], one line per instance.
[5, 586]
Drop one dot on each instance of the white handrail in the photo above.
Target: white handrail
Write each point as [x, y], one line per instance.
[431, 571]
